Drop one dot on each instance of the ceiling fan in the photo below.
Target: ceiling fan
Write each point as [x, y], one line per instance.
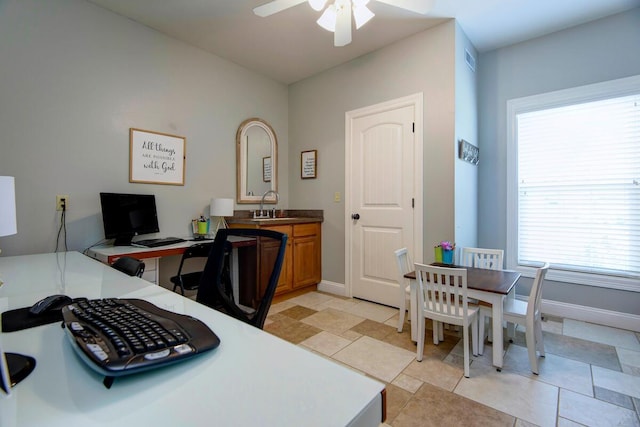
[337, 15]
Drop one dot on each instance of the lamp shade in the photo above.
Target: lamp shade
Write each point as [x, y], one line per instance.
[8, 225]
[221, 207]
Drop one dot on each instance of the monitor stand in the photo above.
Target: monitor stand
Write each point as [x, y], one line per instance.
[123, 241]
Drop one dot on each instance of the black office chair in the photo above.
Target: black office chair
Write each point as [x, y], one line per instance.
[214, 290]
[129, 265]
[191, 280]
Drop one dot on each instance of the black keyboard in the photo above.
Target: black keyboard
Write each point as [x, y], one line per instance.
[123, 336]
[153, 243]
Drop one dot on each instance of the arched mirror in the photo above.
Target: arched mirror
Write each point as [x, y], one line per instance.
[257, 161]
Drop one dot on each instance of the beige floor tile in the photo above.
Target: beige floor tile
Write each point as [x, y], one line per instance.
[601, 334]
[563, 422]
[373, 329]
[524, 398]
[552, 326]
[629, 361]
[290, 329]
[433, 406]
[407, 383]
[333, 320]
[397, 398]
[554, 370]
[592, 412]
[435, 372]
[616, 381]
[338, 304]
[369, 310]
[278, 307]
[376, 358]
[326, 343]
[311, 299]
[523, 423]
[298, 312]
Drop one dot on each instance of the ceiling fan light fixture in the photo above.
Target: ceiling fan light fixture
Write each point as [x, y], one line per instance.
[361, 14]
[317, 4]
[328, 19]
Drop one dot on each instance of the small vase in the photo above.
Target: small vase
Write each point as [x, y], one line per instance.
[438, 253]
[447, 256]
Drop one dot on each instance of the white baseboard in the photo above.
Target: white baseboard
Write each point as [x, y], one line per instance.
[615, 319]
[599, 316]
[333, 288]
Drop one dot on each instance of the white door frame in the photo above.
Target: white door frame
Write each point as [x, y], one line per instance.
[415, 100]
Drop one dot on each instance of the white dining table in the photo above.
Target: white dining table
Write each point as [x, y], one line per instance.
[491, 286]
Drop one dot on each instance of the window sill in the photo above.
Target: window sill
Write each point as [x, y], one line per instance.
[631, 284]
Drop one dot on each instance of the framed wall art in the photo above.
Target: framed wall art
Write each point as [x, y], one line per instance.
[468, 152]
[266, 169]
[156, 158]
[308, 163]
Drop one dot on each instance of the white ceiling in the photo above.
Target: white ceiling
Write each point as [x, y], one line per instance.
[290, 46]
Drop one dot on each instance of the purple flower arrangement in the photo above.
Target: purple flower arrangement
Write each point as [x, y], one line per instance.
[447, 245]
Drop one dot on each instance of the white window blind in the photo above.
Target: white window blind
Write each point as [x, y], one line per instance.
[579, 186]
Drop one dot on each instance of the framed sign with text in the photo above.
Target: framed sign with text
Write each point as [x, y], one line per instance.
[156, 158]
[308, 163]
[266, 169]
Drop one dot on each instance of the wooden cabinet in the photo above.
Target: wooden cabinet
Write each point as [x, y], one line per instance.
[302, 266]
[306, 253]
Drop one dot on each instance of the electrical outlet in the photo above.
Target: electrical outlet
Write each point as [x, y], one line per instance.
[60, 200]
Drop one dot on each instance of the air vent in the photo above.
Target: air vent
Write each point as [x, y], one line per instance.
[470, 60]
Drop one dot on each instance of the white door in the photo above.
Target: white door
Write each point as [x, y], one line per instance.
[384, 201]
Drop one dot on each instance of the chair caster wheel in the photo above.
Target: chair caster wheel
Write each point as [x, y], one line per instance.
[499, 369]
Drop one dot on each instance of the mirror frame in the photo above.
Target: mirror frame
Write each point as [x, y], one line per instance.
[241, 161]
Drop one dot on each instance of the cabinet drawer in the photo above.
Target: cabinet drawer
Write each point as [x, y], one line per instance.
[310, 229]
[286, 229]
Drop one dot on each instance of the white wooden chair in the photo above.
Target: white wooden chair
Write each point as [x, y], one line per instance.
[491, 259]
[526, 313]
[442, 297]
[404, 266]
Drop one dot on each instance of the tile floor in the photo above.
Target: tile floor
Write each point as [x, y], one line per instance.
[590, 376]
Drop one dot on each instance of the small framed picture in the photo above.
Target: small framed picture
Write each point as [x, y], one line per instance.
[308, 163]
[468, 152]
[266, 169]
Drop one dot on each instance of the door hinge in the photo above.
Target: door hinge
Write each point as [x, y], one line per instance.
[413, 202]
[413, 127]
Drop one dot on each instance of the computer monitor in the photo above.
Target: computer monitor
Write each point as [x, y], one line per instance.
[128, 215]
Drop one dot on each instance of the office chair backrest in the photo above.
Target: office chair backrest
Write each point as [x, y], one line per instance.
[129, 265]
[190, 280]
[213, 291]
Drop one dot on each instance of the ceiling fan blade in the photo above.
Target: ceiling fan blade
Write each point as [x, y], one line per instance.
[342, 36]
[418, 6]
[275, 7]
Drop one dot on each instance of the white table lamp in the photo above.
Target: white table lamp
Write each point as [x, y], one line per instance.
[221, 208]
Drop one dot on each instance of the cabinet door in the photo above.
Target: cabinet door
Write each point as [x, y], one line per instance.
[268, 254]
[306, 255]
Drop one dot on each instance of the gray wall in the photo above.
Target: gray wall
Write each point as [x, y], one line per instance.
[466, 125]
[74, 78]
[602, 50]
[422, 63]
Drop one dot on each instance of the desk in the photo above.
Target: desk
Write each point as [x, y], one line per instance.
[491, 286]
[252, 379]
[109, 253]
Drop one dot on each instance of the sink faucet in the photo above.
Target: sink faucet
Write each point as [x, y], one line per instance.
[264, 196]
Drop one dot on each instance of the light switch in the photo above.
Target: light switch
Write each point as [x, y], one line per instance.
[336, 197]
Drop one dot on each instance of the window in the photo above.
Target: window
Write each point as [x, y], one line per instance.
[574, 184]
